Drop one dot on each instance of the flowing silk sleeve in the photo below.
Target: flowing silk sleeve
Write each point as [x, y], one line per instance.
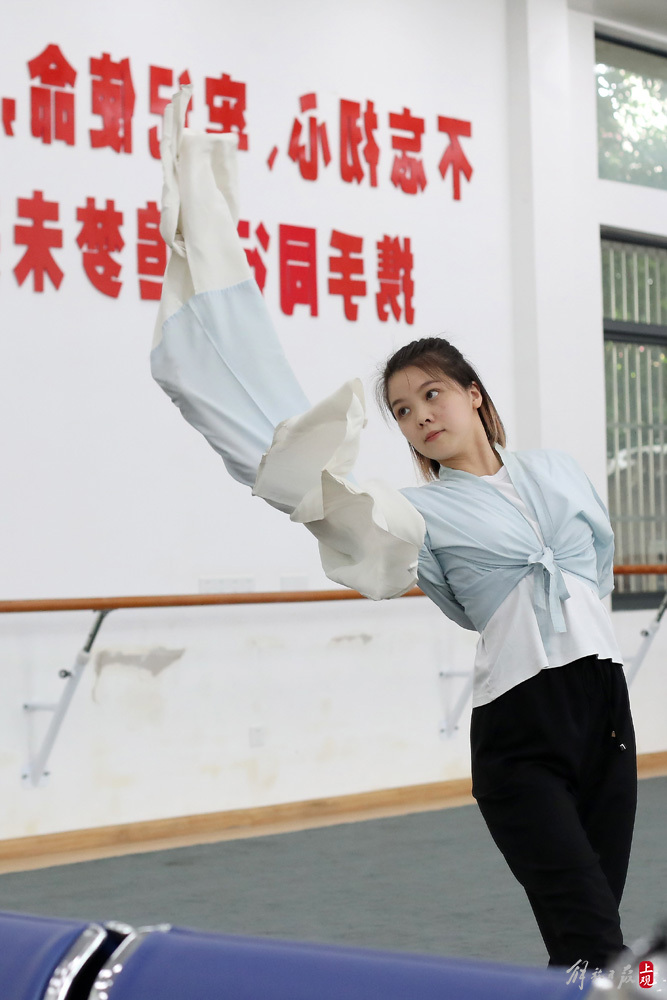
[217, 356]
[215, 352]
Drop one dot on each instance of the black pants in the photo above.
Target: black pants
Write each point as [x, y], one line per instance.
[555, 776]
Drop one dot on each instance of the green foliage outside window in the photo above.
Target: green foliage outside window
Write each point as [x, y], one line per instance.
[632, 114]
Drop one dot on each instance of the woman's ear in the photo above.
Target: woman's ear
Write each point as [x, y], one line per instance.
[476, 395]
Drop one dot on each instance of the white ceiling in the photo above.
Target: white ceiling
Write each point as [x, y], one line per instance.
[646, 15]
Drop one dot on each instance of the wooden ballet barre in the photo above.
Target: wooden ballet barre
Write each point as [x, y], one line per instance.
[638, 570]
[184, 600]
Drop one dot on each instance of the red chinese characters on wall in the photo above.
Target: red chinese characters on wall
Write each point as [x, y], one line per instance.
[407, 172]
[226, 100]
[348, 265]
[52, 103]
[8, 115]
[298, 268]
[357, 128]
[52, 118]
[306, 153]
[151, 252]
[113, 100]
[99, 237]
[253, 255]
[395, 263]
[454, 156]
[39, 240]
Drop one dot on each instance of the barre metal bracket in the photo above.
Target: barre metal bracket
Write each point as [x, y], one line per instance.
[449, 724]
[648, 635]
[36, 774]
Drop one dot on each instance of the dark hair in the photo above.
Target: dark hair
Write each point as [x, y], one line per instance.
[438, 357]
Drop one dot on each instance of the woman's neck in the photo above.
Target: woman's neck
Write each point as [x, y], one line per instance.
[482, 461]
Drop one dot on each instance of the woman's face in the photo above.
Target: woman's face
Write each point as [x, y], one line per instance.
[438, 417]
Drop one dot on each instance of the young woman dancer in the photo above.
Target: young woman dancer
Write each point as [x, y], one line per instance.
[516, 546]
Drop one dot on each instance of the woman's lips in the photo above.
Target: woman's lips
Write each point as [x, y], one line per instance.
[431, 436]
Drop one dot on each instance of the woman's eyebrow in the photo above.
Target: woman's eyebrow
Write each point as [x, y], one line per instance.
[419, 388]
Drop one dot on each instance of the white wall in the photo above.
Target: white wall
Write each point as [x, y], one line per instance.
[119, 495]
[108, 491]
[340, 701]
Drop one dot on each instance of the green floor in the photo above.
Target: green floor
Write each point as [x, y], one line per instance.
[431, 882]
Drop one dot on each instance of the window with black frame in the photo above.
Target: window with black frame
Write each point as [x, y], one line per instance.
[631, 112]
[635, 327]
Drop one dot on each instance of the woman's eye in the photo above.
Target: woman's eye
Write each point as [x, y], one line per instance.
[401, 411]
[431, 393]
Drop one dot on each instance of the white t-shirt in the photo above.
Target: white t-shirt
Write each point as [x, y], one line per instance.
[510, 648]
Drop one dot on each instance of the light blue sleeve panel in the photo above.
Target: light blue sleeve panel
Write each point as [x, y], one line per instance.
[221, 363]
[596, 515]
[603, 540]
[433, 582]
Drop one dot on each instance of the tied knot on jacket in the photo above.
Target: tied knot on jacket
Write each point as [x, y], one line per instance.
[549, 588]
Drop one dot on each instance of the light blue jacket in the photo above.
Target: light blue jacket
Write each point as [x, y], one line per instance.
[478, 545]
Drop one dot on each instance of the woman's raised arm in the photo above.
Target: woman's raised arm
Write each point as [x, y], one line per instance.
[216, 354]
